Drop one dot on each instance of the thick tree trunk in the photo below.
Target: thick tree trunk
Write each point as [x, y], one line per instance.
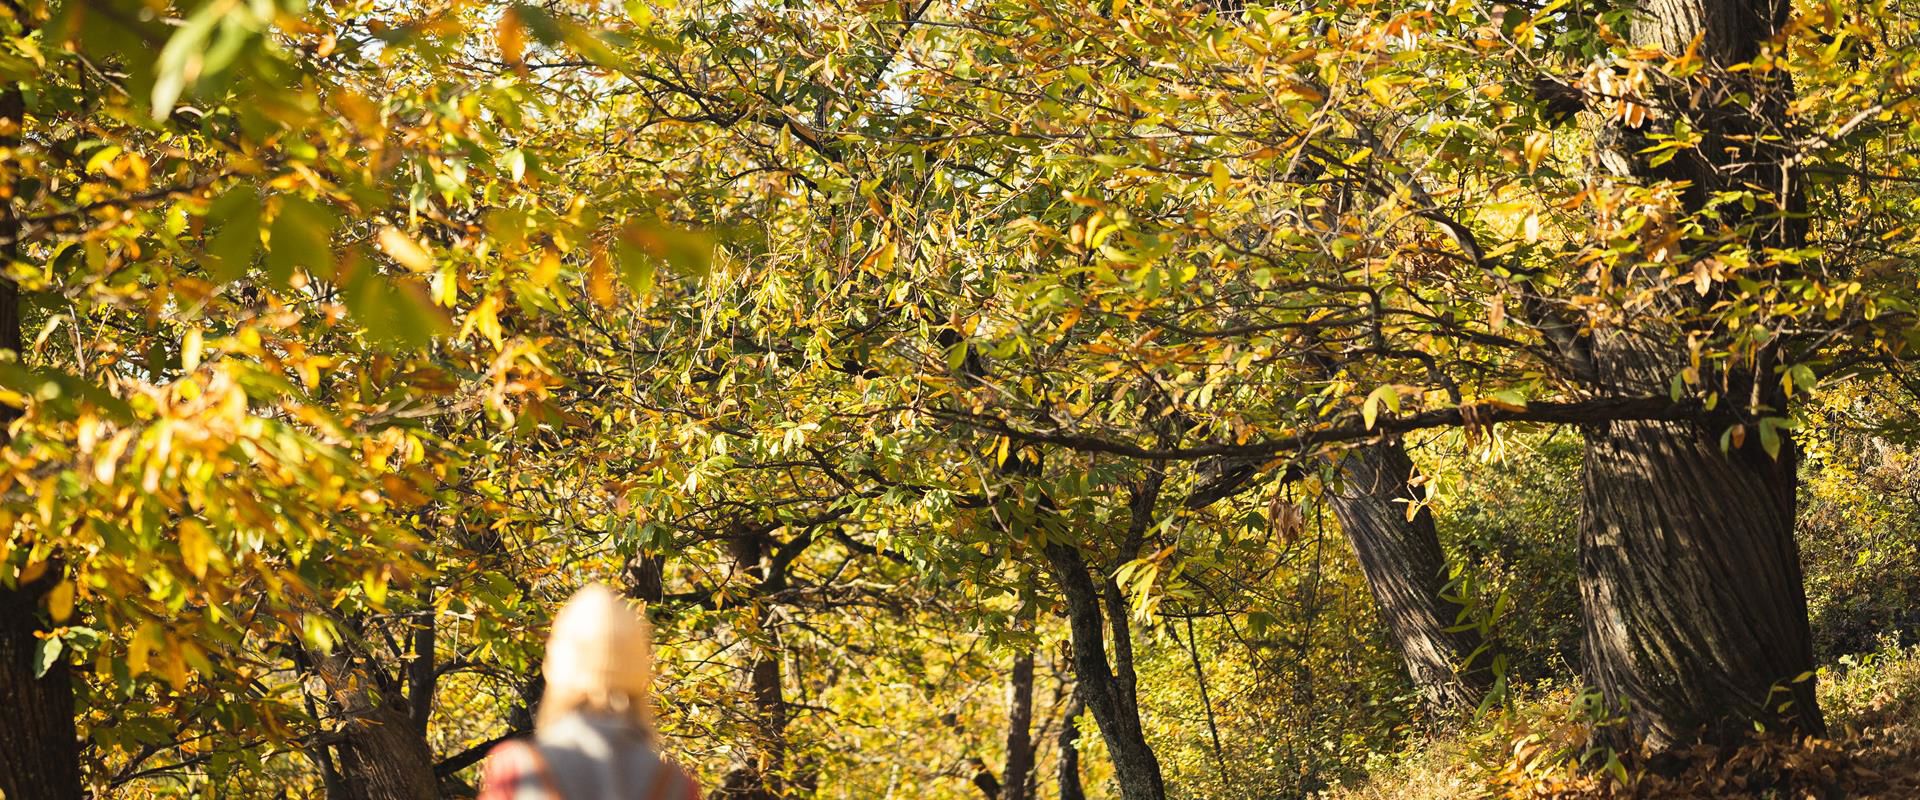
[1696, 614]
[382, 755]
[769, 699]
[1069, 766]
[1108, 694]
[39, 747]
[1406, 571]
[1690, 576]
[1017, 779]
[383, 758]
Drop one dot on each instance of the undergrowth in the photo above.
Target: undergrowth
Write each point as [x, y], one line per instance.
[1539, 747]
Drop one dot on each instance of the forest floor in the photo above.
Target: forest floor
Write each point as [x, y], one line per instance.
[1532, 750]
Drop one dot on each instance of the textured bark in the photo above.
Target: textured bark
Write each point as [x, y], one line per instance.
[769, 699]
[1017, 779]
[647, 579]
[382, 755]
[12, 116]
[39, 751]
[1696, 614]
[423, 671]
[384, 759]
[1069, 766]
[39, 748]
[1106, 690]
[1690, 577]
[1406, 571]
[761, 775]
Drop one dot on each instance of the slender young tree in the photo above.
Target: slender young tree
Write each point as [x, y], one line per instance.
[1017, 778]
[1069, 764]
[1393, 538]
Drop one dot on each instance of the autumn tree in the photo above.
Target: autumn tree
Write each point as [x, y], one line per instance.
[909, 339]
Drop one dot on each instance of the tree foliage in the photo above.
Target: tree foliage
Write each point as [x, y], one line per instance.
[877, 344]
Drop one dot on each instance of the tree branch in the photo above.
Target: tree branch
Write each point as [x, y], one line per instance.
[1580, 412]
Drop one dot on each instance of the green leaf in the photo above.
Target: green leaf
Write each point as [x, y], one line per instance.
[636, 267]
[46, 654]
[301, 238]
[687, 253]
[516, 163]
[231, 252]
[1770, 436]
[1370, 410]
[103, 157]
[396, 312]
[182, 59]
[60, 390]
[957, 356]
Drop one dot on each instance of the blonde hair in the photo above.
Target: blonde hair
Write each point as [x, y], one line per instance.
[599, 660]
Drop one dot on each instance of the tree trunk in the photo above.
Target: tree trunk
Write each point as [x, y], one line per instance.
[1696, 615]
[1107, 695]
[1070, 752]
[647, 579]
[423, 670]
[1017, 780]
[1406, 572]
[383, 756]
[769, 700]
[762, 775]
[39, 750]
[1695, 608]
[39, 747]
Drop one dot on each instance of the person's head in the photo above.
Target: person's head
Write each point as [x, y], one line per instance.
[599, 660]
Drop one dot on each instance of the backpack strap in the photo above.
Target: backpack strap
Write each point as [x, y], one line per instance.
[516, 766]
[693, 789]
[670, 782]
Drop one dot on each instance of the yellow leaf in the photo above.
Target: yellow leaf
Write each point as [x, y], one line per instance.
[375, 584]
[1305, 92]
[1537, 145]
[880, 260]
[191, 349]
[484, 318]
[140, 650]
[195, 547]
[600, 280]
[174, 667]
[546, 269]
[512, 37]
[404, 250]
[107, 461]
[1381, 90]
[33, 570]
[60, 601]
